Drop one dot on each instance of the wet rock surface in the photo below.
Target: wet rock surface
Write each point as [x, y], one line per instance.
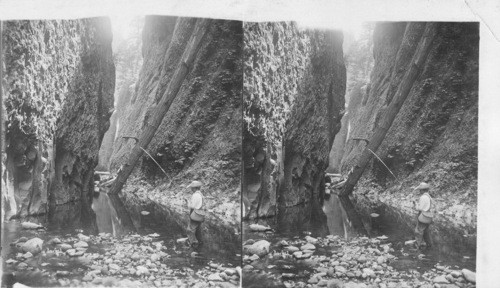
[334, 261]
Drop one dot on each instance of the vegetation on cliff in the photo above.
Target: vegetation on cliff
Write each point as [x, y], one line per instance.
[294, 86]
[59, 78]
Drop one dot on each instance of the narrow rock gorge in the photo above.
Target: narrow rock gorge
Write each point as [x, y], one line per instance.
[434, 136]
[293, 93]
[200, 136]
[58, 99]
[128, 61]
[297, 129]
[63, 227]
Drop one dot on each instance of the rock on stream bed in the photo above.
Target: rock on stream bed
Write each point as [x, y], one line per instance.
[335, 262]
[103, 260]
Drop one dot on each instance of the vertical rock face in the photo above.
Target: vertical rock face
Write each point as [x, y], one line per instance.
[58, 95]
[122, 96]
[200, 136]
[359, 62]
[434, 136]
[128, 61]
[294, 85]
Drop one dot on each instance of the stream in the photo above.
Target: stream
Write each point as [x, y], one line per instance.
[342, 231]
[114, 232]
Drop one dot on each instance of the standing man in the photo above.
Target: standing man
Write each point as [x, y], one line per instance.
[196, 214]
[425, 215]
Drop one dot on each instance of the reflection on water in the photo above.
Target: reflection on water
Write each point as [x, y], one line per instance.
[219, 242]
[111, 215]
[343, 218]
[336, 218]
[67, 217]
[448, 246]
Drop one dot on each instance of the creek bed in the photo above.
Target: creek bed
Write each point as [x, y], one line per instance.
[120, 239]
[343, 232]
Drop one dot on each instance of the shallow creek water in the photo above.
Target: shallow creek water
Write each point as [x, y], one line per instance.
[347, 223]
[108, 215]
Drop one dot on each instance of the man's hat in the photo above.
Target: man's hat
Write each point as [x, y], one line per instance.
[422, 186]
[194, 184]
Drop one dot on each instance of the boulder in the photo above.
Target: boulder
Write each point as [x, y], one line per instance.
[291, 249]
[30, 225]
[55, 241]
[215, 277]
[254, 257]
[410, 242]
[381, 259]
[64, 247]
[155, 257]
[113, 266]
[441, 279]
[311, 240]
[469, 275]
[83, 237]
[313, 280]
[81, 244]
[297, 254]
[34, 246]
[74, 253]
[308, 246]
[21, 240]
[141, 270]
[230, 271]
[182, 240]
[259, 228]
[362, 259]
[259, 248]
[368, 272]
[283, 243]
[450, 278]
[340, 269]
[335, 283]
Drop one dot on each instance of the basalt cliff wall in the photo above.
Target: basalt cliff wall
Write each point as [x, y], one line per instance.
[294, 85]
[58, 85]
[434, 137]
[200, 136]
